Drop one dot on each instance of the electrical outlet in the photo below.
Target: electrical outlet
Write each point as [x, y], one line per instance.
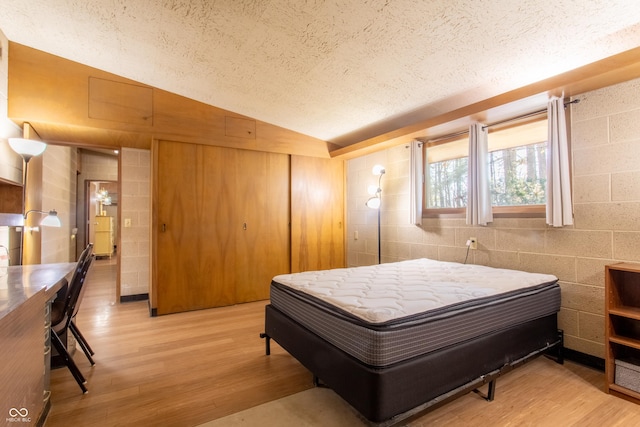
[474, 243]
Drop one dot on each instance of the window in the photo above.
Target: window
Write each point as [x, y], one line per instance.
[517, 168]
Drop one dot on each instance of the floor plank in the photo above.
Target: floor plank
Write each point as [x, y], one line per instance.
[189, 368]
[178, 370]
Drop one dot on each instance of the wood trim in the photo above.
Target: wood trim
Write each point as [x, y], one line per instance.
[609, 71]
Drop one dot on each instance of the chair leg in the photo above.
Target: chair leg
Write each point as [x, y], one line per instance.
[73, 326]
[82, 342]
[57, 343]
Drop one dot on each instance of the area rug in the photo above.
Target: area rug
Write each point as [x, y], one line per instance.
[318, 406]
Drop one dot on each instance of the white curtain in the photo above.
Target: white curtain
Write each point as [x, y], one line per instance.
[478, 193]
[559, 208]
[417, 179]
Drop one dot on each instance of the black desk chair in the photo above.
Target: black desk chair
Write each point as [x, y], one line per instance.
[59, 303]
[61, 319]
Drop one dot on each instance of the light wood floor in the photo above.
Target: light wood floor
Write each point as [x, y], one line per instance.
[189, 368]
[176, 370]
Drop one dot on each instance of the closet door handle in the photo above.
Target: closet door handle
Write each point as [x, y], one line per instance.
[164, 228]
[244, 226]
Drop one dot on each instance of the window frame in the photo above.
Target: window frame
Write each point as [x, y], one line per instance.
[515, 211]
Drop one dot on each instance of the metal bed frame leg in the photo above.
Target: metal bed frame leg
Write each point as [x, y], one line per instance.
[317, 382]
[267, 343]
[491, 391]
[556, 351]
[560, 359]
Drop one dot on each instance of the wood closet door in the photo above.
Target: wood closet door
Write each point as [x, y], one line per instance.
[317, 213]
[195, 238]
[262, 189]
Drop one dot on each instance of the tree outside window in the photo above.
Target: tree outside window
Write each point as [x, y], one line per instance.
[517, 167]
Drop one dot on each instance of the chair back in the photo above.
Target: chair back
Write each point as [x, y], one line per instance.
[83, 257]
[73, 294]
[59, 306]
[75, 305]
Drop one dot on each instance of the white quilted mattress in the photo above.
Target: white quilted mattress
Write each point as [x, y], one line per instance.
[383, 293]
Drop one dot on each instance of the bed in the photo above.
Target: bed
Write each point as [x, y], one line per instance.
[397, 338]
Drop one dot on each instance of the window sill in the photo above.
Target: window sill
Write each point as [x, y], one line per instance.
[537, 211]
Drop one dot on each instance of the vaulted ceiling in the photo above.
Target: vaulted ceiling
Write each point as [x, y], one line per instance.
[336, 70]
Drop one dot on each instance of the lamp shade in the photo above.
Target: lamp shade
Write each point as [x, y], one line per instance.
[27, 148]
[373, 203]
[378, 170]
[51, 220]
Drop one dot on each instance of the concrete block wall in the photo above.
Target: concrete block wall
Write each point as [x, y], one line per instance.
[135, 222]
[59, 185]
[605, 146]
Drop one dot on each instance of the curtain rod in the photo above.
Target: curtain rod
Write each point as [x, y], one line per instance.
[524, 116]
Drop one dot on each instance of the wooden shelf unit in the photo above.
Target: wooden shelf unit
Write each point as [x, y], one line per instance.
[622, 324]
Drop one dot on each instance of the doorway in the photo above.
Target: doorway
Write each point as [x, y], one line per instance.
[101, 207]
[99, 169]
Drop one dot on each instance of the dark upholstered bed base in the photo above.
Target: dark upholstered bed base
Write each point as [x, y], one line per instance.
[380, 394]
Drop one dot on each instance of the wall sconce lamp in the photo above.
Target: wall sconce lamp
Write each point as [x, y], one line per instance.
[51, 220]
[375, 201]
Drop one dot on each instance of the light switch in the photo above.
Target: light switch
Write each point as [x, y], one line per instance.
[127, 222]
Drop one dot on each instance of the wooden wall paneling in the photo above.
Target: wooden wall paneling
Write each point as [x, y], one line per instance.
[120, 102]
[45, 87]
[54, 94]
[32, 240]
[317, 213]
[10, 198]
[240, 127]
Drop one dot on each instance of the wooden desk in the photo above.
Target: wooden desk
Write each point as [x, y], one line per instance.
[25, 296]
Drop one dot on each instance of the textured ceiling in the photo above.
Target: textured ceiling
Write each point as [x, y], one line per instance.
[329, 68]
